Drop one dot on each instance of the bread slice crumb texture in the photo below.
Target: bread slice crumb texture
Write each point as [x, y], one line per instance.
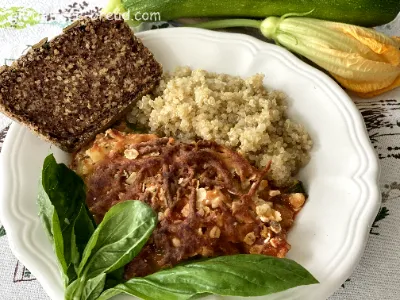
[74, 86]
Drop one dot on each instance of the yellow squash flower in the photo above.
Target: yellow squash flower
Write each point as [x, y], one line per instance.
[362, 60]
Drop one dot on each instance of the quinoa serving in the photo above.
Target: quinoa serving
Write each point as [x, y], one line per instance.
[235, 112]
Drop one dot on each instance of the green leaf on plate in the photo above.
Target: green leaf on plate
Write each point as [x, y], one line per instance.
[237, 275]
[94, 287]
[63, 212]
[73, 289]
[123, 232]
[51, 223]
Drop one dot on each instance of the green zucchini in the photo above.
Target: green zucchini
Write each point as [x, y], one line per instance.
[358, 12]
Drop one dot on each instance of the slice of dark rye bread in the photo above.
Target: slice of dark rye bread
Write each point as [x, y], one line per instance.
[76, 85]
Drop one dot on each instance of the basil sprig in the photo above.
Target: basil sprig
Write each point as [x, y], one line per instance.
[92, 259]
[86, 255]
[123, 232]
[64, 215]
[235, 275]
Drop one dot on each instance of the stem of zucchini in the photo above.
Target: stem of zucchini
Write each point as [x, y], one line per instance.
[227, 23]
[267, 27]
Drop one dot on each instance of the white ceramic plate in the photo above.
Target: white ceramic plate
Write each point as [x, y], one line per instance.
[330, 233]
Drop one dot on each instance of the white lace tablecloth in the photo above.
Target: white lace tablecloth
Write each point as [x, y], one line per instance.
[25, 22]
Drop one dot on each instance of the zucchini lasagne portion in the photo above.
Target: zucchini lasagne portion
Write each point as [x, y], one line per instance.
[210, 200]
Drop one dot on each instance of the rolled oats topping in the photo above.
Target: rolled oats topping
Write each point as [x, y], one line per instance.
[209, 199]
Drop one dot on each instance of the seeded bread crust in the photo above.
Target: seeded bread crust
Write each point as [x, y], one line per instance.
[71, 88]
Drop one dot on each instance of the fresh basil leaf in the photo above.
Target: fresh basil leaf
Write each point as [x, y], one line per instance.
[74, 289]
[109, 293]
[83, 228]
[62, 194]
[94, 287]
[123, 232]
[85, 289]
[114, 278]
[51, 223]
[65, 189]
[84, 225]
[236, 275]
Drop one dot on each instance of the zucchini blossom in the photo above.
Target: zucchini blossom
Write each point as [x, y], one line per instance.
[362, 60]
